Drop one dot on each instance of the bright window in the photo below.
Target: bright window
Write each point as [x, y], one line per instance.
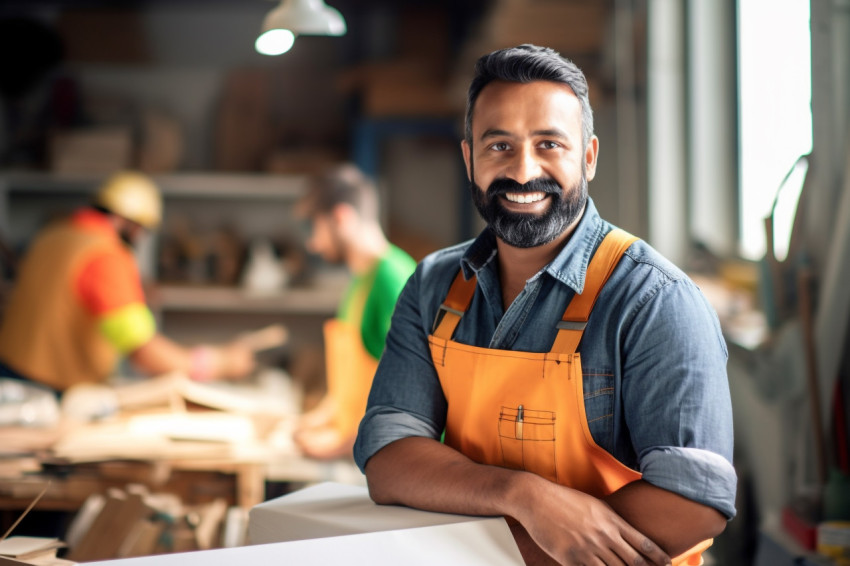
[774, 66]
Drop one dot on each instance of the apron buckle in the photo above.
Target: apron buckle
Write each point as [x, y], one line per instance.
[441, 312]
[571, 325]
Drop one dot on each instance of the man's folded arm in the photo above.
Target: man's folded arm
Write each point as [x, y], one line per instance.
[687, 495]
[566, 524]
[674, 522]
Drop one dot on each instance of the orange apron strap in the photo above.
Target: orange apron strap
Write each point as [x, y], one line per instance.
[571, 327]
[456, 303]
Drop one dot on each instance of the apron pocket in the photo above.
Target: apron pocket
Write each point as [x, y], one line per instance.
[527, 440]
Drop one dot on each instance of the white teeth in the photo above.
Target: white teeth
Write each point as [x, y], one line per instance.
[525, 198]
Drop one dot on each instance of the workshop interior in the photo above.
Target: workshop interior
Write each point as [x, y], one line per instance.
[724, 134]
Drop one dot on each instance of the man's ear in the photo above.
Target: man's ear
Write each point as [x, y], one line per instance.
[467, 158]
[591, 153]
[344, 215]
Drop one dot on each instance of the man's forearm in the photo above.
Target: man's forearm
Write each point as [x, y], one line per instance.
[425, 474]
[674, 522]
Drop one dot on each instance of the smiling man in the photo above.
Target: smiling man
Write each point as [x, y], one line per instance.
[579, 378]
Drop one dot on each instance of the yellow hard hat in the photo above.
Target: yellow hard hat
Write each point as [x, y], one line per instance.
[133, 196]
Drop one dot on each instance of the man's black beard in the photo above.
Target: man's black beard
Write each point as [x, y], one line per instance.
[523, 230]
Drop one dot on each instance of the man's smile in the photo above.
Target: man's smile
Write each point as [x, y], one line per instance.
[535, 202]
[525, 198]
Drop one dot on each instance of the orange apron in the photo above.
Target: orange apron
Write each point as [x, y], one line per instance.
[350, 367]
[525, 410]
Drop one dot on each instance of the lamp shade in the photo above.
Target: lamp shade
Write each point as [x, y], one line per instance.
[305, 17]
[275, 42]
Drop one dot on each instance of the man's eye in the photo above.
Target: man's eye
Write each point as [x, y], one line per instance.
[500, 146]
[549, 144]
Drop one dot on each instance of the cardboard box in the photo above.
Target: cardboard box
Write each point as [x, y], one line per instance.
[94, 151]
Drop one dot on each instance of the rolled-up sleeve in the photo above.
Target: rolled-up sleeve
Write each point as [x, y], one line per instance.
[406, 398]
[699, 475]
[676, 396]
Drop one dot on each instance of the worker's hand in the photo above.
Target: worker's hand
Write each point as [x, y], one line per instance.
[320, 415]
[323, 443]
[235, 360]
[575, 528]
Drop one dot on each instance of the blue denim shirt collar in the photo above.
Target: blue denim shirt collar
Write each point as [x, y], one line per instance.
[569, 266]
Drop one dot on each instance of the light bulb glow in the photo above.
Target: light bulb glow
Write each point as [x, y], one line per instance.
[275, 42]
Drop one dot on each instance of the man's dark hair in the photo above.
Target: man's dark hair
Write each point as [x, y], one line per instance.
[342, 184]
[524, 64]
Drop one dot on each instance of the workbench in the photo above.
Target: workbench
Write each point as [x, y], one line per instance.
[198, 454]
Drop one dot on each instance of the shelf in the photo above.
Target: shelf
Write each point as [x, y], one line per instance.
[206, 185]
[319, 300]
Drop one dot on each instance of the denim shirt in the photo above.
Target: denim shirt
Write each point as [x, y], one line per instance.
[653, 358]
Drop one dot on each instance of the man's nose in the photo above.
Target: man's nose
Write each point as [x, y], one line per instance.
[524, 166]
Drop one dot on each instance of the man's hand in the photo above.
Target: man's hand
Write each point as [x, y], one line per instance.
[234, 361]
[575, 528]
[323, 443]
[203, 363]
[320, 415]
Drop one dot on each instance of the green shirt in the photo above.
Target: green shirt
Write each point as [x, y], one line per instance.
[370, 298]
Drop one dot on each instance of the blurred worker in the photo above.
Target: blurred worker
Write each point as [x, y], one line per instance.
[343, 209]
[78, 303]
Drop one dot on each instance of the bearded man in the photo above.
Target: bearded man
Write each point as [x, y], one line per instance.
[578, 377]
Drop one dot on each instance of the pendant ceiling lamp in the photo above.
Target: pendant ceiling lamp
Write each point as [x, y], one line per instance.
[297, 17]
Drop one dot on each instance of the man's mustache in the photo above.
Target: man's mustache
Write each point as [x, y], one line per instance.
[501, 186]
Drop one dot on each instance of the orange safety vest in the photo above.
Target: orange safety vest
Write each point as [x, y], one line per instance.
[525, 410]
[47, 334]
